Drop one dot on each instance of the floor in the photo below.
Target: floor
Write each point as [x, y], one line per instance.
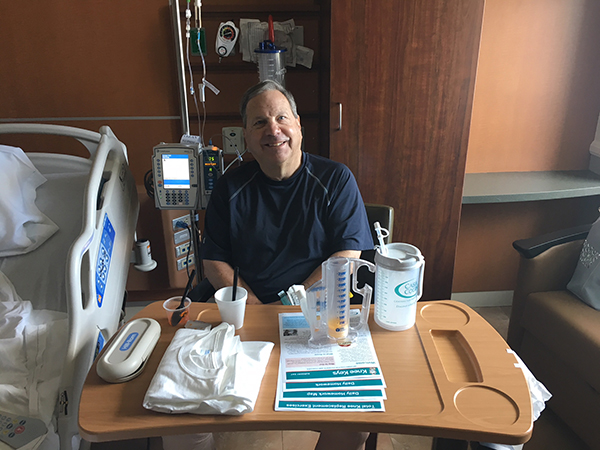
[549, 432]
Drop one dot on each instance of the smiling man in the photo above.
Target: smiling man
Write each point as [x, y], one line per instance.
[279, 217]
[273, 133]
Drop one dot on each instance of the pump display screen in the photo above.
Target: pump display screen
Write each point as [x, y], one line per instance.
[176, 172]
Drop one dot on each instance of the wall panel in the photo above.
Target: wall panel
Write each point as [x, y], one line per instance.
[536, 106]
[537, 95]
[86, 59]
[485, 258]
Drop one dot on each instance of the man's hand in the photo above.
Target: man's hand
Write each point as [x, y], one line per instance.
[253, 300]
[220, 274]
[316, 275]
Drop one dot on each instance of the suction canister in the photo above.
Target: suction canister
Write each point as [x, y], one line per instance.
[398, 285]
[271, 59]
[271, 62]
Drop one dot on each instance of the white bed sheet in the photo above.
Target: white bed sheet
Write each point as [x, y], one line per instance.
[33, 339]
[32, 354]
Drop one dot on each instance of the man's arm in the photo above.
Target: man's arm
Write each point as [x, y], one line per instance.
[316, 274]
[220, 274]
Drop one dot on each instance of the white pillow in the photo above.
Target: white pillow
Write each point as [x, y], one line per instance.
[23, 227]
[585, 283]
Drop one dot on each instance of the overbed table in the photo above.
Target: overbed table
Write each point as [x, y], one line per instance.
[450, 376]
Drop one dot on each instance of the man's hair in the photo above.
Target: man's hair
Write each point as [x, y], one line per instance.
[264, 86]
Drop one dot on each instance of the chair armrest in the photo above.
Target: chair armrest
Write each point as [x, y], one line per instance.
[532, 247]
[547, 264]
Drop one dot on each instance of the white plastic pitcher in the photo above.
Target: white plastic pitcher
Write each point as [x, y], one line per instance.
[326, 306]
[398, 286]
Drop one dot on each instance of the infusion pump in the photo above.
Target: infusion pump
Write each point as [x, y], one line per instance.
[185, 175]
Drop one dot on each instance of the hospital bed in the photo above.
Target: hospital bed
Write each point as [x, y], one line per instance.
[62, 283]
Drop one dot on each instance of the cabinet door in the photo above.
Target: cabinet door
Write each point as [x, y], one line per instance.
[403, 72]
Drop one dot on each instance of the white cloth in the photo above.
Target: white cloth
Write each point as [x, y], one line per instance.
[539, 396]
[208, 372]
[32, 354]
[23, 227]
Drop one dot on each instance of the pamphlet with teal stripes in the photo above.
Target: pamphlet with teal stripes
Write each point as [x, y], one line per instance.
[328, 378]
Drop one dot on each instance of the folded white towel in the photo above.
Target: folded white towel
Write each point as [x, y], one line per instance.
[208, 372]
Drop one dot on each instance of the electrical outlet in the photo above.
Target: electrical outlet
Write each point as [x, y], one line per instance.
[182, 264]
[185, 219]
[182, 249]
[232, 138]
[181, 236]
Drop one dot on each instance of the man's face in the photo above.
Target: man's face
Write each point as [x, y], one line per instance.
[273, 135]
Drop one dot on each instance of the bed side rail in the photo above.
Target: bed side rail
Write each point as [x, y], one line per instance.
[110, 192]
[90, 139]
[109, 178]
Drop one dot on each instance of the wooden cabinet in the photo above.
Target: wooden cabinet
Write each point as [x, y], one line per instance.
[403, 72]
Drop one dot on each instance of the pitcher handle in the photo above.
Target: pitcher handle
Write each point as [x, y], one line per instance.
[366, 291]
[421, 277]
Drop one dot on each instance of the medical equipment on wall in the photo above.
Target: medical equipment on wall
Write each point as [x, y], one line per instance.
[194, 42]
[197, 33]
[326, 305]
[227, 36]
[185, 175]
[198, 39]
[142, 256]
[271, 60]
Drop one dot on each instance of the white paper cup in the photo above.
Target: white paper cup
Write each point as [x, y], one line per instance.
[232, 311]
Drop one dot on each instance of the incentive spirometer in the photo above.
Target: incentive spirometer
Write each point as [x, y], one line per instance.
[185, 175]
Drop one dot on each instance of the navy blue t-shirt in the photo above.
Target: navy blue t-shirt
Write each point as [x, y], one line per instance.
[279, 232]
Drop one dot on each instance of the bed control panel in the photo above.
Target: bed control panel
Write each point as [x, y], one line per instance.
[175, 170]
[17, 431]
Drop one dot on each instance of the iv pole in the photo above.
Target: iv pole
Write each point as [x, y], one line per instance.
[183, 104]
[185, 118]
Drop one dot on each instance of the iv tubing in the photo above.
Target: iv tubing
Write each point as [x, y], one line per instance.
[203, 121]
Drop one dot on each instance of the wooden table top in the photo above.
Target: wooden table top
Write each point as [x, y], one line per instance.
[449, 376]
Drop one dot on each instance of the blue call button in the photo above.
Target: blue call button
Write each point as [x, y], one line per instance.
[129, 341]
